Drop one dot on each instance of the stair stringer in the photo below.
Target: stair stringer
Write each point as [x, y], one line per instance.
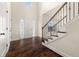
[69, 45]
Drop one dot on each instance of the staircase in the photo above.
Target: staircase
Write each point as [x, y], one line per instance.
[65, 15]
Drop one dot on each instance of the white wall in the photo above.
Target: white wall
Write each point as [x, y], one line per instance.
[27, 12]
[47, 6]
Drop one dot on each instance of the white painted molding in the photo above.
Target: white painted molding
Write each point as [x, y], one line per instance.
[57, 51]
[5, 51]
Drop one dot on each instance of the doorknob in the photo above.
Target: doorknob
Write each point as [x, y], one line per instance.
[6, 28]
[6, 45]
[2, 33]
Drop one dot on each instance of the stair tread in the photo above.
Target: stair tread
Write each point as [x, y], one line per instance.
[62, 32]
[45, 40]
[55, 35]
[49, 38]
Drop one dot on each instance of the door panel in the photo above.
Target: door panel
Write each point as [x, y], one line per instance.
[4, 32]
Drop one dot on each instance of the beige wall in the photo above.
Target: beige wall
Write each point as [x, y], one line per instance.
[29, 14]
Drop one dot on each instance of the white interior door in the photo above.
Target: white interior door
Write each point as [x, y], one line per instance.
[4, 29]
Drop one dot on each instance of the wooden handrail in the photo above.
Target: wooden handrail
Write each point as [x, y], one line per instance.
[54, 14]
[59, 21]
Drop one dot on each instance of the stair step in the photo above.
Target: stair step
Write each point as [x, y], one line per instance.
[61, 32]
[55, 35]
[50, 38]
[44, 39]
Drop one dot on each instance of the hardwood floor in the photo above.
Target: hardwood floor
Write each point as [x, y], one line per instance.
[30, 47]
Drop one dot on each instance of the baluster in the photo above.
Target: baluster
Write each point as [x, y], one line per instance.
[73, 9]
[69, 11]
[63, 16]
[66, 13]
[78, 7]
[59, 19]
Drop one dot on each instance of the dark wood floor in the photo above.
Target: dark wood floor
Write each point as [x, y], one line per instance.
[30, 48]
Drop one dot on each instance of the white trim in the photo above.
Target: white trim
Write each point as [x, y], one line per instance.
[57, 51]
[15, 39]
[9, 9]
[5, 51]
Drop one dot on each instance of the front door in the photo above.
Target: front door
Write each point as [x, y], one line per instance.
[4, 28]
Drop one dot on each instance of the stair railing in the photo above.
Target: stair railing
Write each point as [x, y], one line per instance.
[65, 13]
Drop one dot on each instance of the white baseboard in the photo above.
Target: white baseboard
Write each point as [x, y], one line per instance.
[57, 51]
[13, 39]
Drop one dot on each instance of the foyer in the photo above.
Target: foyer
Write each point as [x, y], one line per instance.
[39, 29]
